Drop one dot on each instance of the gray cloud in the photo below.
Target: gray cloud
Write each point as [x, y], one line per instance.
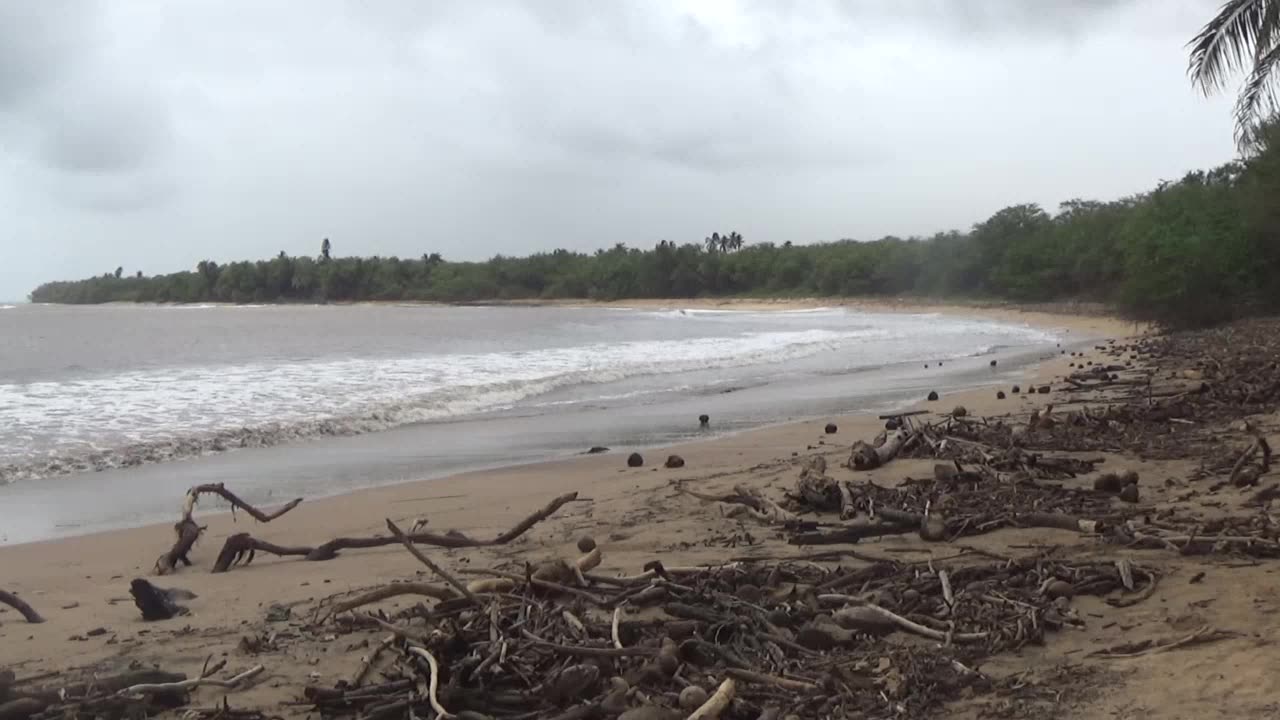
[152, 135]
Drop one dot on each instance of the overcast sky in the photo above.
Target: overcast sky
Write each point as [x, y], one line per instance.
[154, 134]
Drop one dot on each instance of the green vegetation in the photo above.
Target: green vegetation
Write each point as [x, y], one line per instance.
[1243, 37]
[1192, 252]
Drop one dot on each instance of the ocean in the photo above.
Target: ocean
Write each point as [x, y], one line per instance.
[107, 413]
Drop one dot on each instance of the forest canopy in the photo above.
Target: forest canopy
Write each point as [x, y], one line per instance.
[1199, 250]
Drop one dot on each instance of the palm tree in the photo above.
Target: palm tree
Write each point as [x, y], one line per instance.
[713, 242]
[1243, 33]
[735, 240]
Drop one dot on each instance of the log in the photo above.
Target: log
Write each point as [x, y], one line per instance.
[240, 548]
[28, 613]
[867, 457]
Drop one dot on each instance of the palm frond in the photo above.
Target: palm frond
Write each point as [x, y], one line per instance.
[1258, 98]
[1230, 40]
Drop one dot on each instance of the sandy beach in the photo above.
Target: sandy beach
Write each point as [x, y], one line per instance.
[636, 515]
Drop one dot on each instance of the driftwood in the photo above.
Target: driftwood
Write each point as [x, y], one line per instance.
[29, 613]
[241, 547]
[188, 531]
[869, 457]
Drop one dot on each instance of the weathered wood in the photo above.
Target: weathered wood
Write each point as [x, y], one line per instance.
[869, 457]
[29, 613]
[241, 547]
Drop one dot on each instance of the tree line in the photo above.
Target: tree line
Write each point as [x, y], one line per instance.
[1195, 251]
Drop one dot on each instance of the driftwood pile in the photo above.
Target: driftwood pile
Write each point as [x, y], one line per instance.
[746, 640]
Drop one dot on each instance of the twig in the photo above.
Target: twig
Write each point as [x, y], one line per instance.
[1202, 635]
[591, 651]
[715, 704]
[435, 679]
[367, 661]
[408, 544]
[766, 679]
[617, 617]
[195, 682]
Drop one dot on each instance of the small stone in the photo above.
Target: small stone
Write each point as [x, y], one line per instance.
[674, 461]
[704, 420]
[960, 411]
[933, 395]
[1129, 477]
[692, 697]
[597, 449]
[1043, 390]
[993, 363]
[1107, 482]
[96, 632]
[1129, 493]
[892, 424]
[1000, 395]
[586, 544]
[831, 428]
[635, 460]
[1059, 589]
[1015, 389]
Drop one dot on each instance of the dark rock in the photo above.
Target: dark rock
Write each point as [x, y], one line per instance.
[959, 411]
[993, 363]
[1015, 389]
[704, 420]
[1129, 493]
[1129, 477]
[674, 461]
[932, 396]
[831, 428]
[1000, 395]
[1108, 482]
[635, 460]
[1043, 390]
[597, 449]
[155, 603]
[892, 424]
[586, 544]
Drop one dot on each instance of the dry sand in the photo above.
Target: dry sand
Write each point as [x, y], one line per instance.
[636, 515]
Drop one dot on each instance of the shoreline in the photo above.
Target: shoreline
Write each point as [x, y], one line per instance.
[132, 479]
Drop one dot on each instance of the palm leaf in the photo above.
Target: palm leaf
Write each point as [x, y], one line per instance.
[1258, 96]
[1230, 40]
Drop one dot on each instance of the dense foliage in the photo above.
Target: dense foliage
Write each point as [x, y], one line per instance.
[1196, 251]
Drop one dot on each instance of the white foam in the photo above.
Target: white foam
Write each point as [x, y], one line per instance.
[157, 414]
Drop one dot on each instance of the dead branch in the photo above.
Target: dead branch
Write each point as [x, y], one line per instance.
[437, 592]
[188, 531]
[408, 544]
[29, 613]
[240, 548]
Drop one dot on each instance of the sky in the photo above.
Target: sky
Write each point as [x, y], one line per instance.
[152, 135]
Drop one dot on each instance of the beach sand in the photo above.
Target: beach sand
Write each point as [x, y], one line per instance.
[81, 585]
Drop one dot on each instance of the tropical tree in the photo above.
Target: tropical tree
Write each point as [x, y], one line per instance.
[713, 243]
[324, 250]
[1243, 36]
